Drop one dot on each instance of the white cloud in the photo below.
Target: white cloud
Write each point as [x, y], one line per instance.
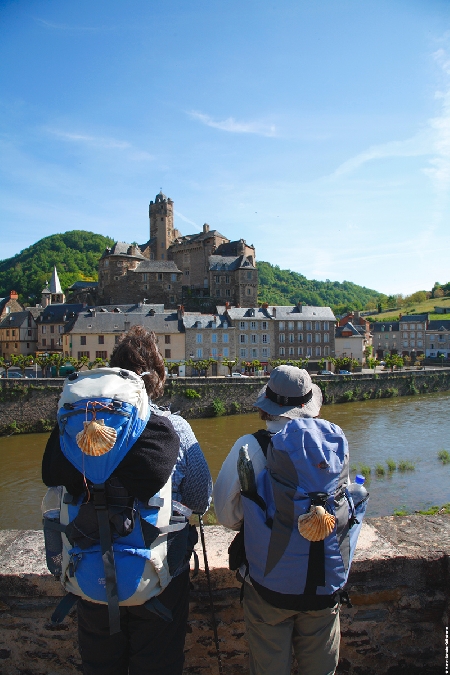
[234, 126]
[63, 26]
[96, 141]
[186, 220]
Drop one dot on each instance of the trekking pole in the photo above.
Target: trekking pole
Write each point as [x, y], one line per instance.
[208, 581]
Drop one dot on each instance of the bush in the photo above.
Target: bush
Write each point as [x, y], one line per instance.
[236, 407]
[401, 512]
[444, 456]
[348, 395]
[218, 407]
[435, 510]
[380, 470]
[191, 393]
[391, 465]
[406, 466]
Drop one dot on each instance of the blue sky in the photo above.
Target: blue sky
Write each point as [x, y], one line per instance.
[318, 131]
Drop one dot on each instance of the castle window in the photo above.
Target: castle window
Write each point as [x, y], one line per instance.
[227, 279]
[145, 277]
[186, 273]
[116, 278]
[145, 287]
[106, 263]
[326, 325]
[173, 277]
[169, 287]
[160, 276]
[249, 291]
[249, 275]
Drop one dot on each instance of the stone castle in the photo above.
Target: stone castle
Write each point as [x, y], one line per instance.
[198, 271]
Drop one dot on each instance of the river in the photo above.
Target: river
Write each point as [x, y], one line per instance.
[411, 429]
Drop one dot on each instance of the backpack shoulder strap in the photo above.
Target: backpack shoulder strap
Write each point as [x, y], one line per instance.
[263, 437]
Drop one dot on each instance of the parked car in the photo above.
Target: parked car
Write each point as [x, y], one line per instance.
[344, 372]
[326, 372]
[236, 375]
[14, 374]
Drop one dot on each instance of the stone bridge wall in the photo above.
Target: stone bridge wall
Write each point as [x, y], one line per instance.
[30, 405]
[399, 585]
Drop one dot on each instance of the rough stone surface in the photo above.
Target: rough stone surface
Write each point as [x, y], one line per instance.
[31, 406]
[399, 586]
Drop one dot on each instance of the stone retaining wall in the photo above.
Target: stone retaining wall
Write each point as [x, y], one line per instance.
[30, 405]
[399, 586]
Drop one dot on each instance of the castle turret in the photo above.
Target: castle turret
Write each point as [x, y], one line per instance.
[162, 232]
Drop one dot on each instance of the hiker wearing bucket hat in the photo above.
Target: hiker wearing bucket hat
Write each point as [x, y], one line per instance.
[280, 622]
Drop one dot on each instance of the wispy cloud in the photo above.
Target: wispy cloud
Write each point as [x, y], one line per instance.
[103, 142]
[234, 126]
[186, 220]
[63, 26]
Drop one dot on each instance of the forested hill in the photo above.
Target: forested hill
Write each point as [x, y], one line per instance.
[283, 287]
[74, 253]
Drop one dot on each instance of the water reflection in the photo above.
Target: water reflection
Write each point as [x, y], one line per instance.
[410, 428]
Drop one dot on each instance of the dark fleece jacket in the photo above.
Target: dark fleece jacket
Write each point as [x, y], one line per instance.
[143, 471]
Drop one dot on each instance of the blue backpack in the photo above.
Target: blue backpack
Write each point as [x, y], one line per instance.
[301, 525]
[112, 548]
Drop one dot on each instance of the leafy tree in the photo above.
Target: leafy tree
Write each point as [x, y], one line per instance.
[344, 363]
[44, 361]
[172, 366]
[22, 360]
[5, 364]
[393, 361]
[372, 362]
[229, 363]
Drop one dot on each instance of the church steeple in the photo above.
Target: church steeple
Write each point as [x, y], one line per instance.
[52, 293]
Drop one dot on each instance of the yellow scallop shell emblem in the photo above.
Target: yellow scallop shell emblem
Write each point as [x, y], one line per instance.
[316, 524]
[96, 439]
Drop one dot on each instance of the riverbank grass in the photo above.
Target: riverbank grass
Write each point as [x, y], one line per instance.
[444, 456]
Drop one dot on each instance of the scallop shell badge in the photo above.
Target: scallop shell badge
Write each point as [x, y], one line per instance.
[316, 524]
[96, 439]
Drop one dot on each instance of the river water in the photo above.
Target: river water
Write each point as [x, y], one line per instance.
[412, 429]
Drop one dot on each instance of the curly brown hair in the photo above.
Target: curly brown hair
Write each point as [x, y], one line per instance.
[138, 351]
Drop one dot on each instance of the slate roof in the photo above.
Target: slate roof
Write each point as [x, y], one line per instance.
[197, 320]
[230, 248]
[83, 284]
[106, 322]
[345, 329]
[200, 236]
[439, 324]
[383, 326]
[122, 248]
[302, 313]
[414, 318]
[127, 309]
[59, 313]
[229, 263]
[156, 266]
[253, 313]
[14, 320]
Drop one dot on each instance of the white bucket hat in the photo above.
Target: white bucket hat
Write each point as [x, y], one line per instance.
[290, 393]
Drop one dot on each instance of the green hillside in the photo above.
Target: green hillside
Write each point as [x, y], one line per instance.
[283, 287]
[74, 253]
[76, 256]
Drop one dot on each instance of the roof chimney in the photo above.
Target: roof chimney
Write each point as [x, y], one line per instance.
[13, 295]
[205, 228]
[299, 306]
[274, 312]
[180, 312]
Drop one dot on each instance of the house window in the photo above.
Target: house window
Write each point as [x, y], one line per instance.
[254, 339]
[44, 329]
[225, 337]
[326, 337]
[291, 337]
[291, 351]
[29, 333]
[299, 337]
[116, 339]
[308, 325]
[7, 332]
[281, 325]
[249, 275]
[326, 351]
[264, 352]
[317, 325]
[227, 279]
[308, 337]
[173, 277]
[80, 354]
[317, 351]
[145, 287]
[52, 329]
[242, 325]
[172, 299]
[101, 355]
[308, 351]
[82, 339]
[218, 293]
[254, 353]
[225, 351]
[326, 325]
[242, 338]
[101, 339]
[281, 351]
[300, 351]
[145, 277]
[199, 353]
[228, 293]
[167, 353]
[186, 273]
[199, 338]
[61, 329]
[317, 337]
[253, 325]
[299, 325]
[13, 333]
[281, 337]
[217, 279]
[290, 325]
[243, 353]
[214, 352]
[264, 338]
[167, 339]
[214, 337]
[169, 287]
[44, 342]
[160, 276]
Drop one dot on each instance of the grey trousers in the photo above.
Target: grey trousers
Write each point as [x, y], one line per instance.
[272, 633]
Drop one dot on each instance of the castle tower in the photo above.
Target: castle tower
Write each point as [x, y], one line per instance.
[162, 233]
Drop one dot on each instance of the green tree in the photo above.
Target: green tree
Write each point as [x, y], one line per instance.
[44, 361]
[372, 362]
[229, 363]
[22, 360]
[5, 364]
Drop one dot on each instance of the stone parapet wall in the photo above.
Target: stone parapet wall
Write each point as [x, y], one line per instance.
[30, 405]
[399, 586]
